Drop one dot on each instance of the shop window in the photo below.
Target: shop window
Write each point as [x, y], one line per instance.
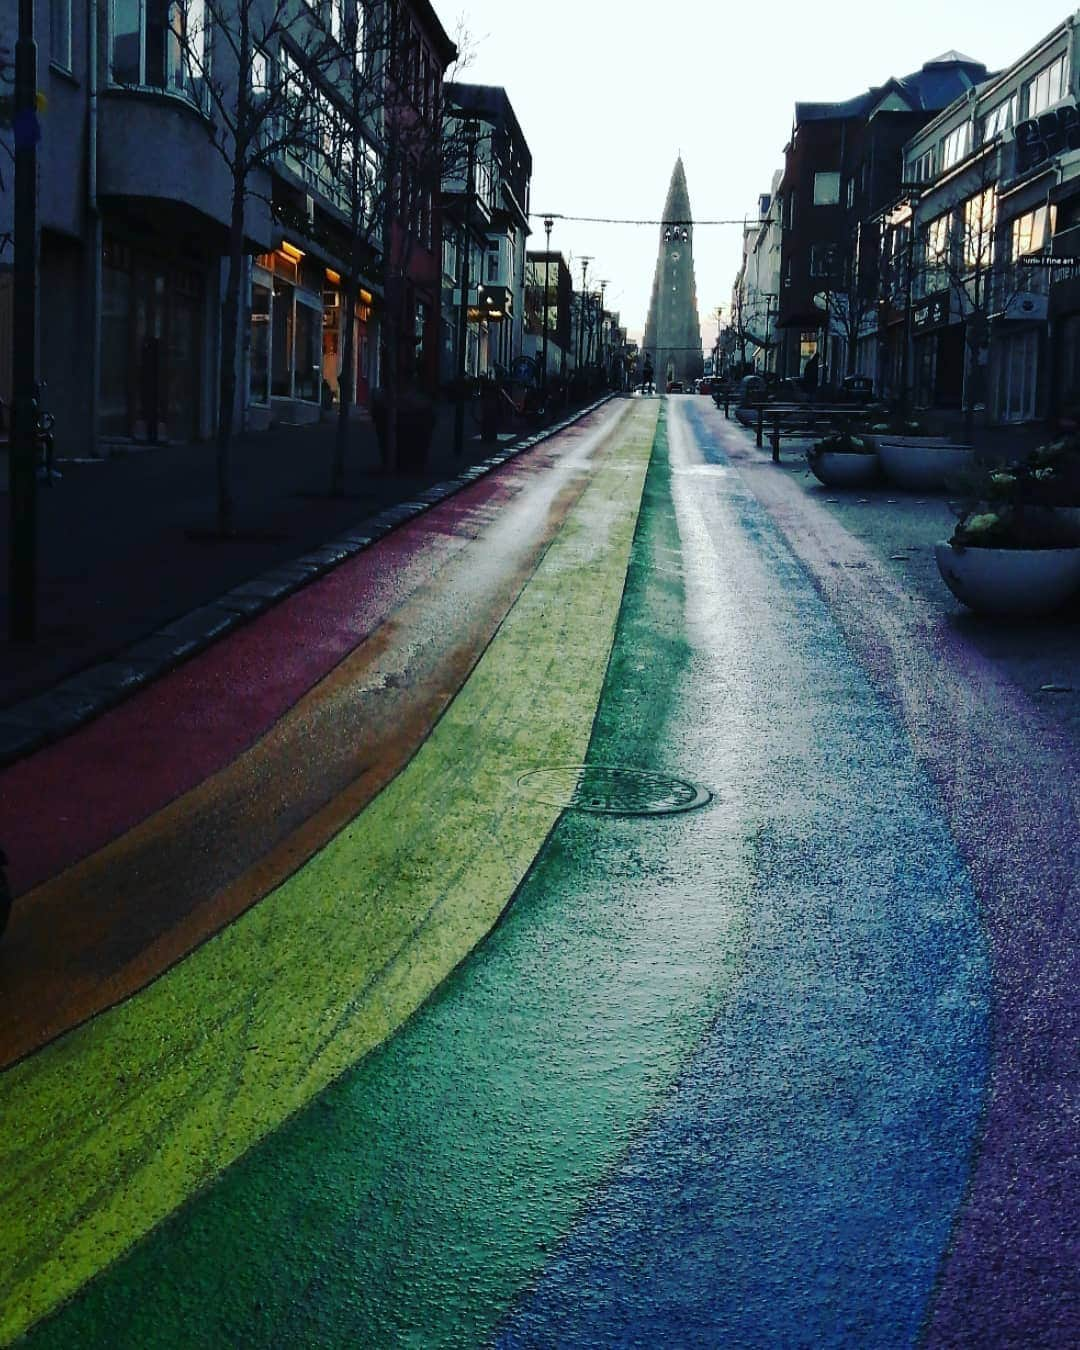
[1018, 366]
[259, 359]
[308, 353]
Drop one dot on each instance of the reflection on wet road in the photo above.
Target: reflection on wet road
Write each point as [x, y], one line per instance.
[714, 1077]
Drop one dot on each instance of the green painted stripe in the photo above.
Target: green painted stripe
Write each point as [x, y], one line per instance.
[424, 1191]
[108, 1130]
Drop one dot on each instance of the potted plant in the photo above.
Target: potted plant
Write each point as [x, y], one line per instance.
[844, 459]
[1015, 549]
[916, 461]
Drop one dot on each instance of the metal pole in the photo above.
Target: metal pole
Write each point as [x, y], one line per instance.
[600, 331]
[768, 317]
[905, 399]
[471, 132]
[23, 483]
[581, 314]
[548, 223]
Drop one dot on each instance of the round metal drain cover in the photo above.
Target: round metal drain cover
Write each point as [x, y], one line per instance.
[612, 791]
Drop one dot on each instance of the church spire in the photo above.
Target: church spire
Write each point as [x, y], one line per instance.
[673, 329]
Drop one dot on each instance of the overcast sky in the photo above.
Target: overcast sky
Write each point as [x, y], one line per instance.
[608, 95]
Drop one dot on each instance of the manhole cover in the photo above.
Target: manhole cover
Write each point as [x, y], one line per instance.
[612, 791]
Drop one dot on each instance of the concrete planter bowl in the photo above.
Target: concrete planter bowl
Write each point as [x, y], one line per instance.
[1010, 582]
[923, 463]
[844, 468]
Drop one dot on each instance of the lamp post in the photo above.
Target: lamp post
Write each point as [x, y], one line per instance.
[768, 316]
[548, 223]
[581, 312]
[913, 191]
[472, 135]
[22, 615]
[600, 327]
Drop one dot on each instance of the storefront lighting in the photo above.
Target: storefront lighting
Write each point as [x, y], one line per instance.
[334, 278]
[291, 251]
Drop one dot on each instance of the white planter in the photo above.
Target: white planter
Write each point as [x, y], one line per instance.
[1010, 581]
[844, 468]
[923, 463]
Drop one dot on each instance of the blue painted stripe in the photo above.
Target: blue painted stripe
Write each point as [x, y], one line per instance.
[799, 1184]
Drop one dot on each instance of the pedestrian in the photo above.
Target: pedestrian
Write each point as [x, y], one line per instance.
[647, 377]
[810, 374]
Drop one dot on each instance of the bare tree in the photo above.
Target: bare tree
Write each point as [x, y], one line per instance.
[851, 302]
[966, 252]
[252, 63]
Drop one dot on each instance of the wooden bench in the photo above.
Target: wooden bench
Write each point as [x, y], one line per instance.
[794, 421]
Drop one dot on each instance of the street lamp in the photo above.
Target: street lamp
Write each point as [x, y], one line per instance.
[581, 312]
[600, 326]
[914, 192]
[548, 223]
[471, 129]
[768, 316]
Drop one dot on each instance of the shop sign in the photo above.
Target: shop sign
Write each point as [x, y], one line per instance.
[932, 313]
[1040, 137]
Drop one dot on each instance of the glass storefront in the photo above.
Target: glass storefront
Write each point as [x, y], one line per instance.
[259, 358]
[286, 346]
[152, 310]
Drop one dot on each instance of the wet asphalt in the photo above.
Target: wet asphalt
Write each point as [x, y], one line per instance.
[794, 1068]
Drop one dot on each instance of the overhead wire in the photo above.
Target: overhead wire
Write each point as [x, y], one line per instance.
[617, 220]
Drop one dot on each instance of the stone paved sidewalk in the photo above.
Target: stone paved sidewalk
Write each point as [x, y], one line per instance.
[132, 579]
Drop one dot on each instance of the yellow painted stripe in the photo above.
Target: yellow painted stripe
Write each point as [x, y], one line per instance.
[106, 1131]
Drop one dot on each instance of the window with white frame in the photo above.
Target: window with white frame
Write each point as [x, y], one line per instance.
[826, 189]
[1029, 232]
[260, 74]
[60, 33]
[1000, 118]
[922, 169]
[1049, 85]
[979, 212]
[936, 245]
[160, 44]
[955, 145]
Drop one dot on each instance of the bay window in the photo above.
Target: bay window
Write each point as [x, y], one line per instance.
[160, 44]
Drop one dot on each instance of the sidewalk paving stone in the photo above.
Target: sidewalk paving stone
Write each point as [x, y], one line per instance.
[133, 578]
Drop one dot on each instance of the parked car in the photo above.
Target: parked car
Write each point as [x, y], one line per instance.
[675, 387]
[705, 386]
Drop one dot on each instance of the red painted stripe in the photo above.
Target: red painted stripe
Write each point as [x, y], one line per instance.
[70, 799]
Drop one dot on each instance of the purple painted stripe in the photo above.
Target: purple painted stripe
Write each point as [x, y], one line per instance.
[1011, 783]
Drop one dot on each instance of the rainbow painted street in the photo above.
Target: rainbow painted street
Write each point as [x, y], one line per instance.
[342, 1007]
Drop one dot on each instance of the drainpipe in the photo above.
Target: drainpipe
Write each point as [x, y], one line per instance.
[95, 228]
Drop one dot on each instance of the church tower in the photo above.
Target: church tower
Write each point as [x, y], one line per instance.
[673, 330]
